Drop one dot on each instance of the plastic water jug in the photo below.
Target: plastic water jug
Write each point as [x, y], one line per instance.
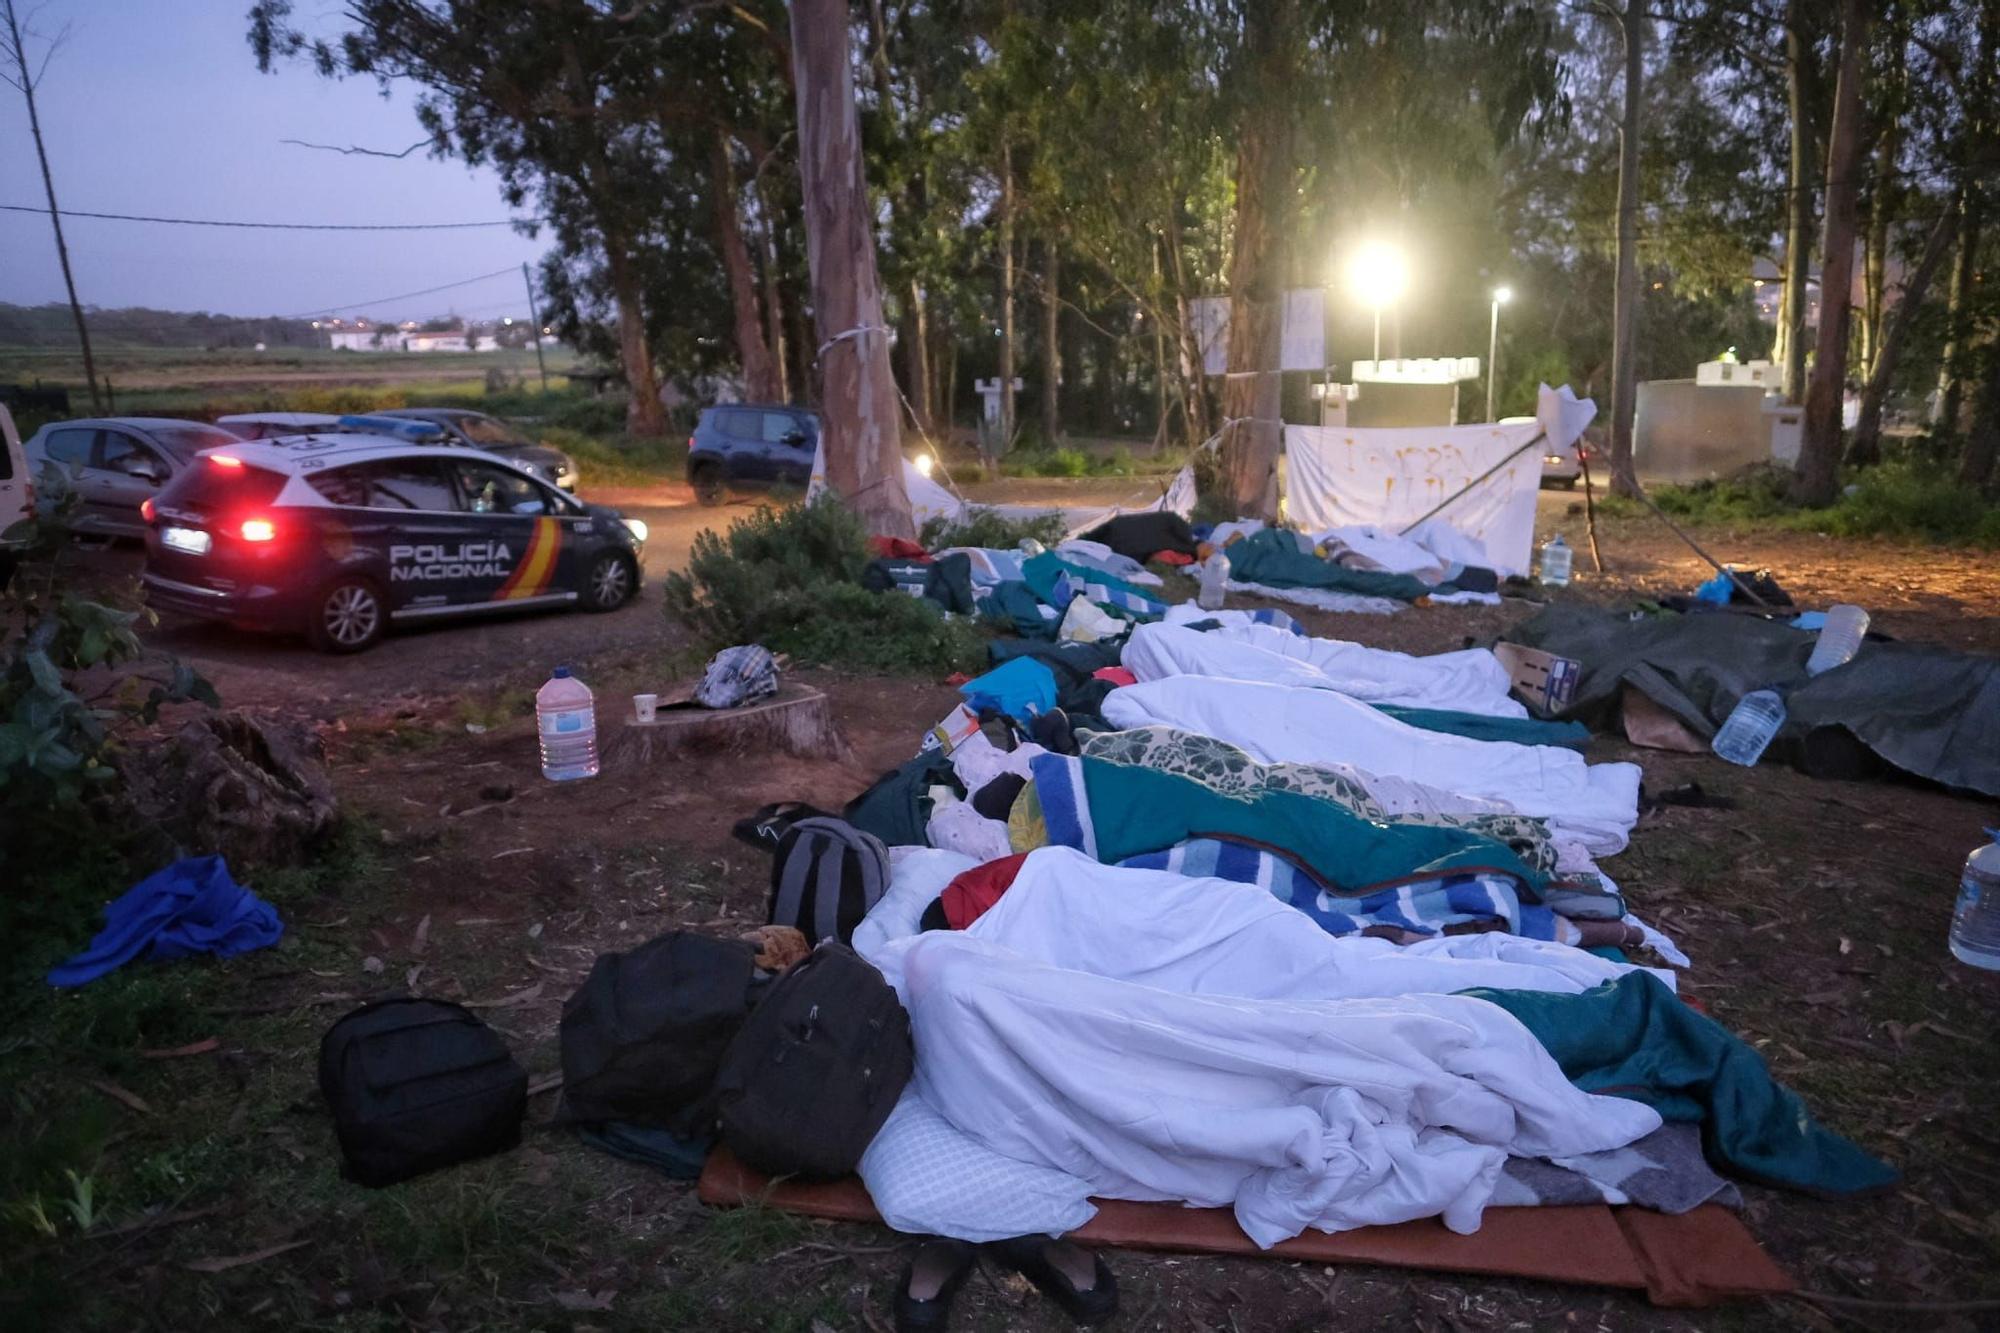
[1556, 558]
[1214, 582]
[1750, 727]
[1975, 926]
[566, 716]
[1839, 639]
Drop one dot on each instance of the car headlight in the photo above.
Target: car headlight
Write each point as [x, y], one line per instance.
[637, 527]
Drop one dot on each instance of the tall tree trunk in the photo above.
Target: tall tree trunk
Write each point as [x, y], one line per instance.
[1953, 363]
[922, 394]
[1793, 301]
[1160, 404]
[1882, 198]
[1051, 342]
[645, 414]
[774, 313]
[1193, 378]
[1253, 390]
[1866, 446]
[1819, 448]
[1006, 440]
[1982, 442]
[864, 454]
[753, 354]
[18, 53]
[1625, 297]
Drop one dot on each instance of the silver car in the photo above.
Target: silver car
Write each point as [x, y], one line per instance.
[116, 464]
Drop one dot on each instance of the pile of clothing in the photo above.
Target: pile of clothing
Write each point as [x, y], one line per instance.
[1359, 568]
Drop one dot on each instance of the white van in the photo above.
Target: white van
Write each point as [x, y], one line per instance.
[17, 492]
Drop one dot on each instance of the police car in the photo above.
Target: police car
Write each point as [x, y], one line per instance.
[338, 535]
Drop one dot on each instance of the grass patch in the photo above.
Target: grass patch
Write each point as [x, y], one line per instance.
[1903, 500]
[790, 579]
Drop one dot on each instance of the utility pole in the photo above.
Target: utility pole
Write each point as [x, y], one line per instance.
[535, 319]
[26, 83]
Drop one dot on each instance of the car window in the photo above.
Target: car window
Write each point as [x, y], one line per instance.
[485, 430]
[411, 483]
[115, 449]
[743, 425]
[777, 425]
[191, 439]
[70, 446]
[342, 485]
[492, 490]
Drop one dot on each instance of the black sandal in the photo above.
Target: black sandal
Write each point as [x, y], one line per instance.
[1028, 1256]
[934, 1314]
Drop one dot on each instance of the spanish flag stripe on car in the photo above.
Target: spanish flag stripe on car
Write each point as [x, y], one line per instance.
[538, 565]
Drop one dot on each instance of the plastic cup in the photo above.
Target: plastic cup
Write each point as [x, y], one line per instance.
[644, 706]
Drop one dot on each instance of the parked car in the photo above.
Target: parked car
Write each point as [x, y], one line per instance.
[117, 463]
[476, 430]
[1562, 467]
[17, 493]
[271, 425]
[340, 535]
[750, 445]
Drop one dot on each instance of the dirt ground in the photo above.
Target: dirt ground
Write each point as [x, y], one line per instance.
[1815, 913]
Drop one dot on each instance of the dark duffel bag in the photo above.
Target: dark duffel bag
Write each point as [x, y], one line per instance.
[644, 1034]
[416, 1085]
[816, 1069]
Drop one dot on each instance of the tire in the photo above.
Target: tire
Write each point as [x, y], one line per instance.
[711, 487]
[609, 583]
[348, 616]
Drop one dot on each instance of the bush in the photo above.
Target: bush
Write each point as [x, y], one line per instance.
[790, 579]
[1906, 500]
[622, 460]
[979, 526]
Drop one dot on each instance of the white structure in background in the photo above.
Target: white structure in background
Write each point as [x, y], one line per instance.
[989, 397]
[363, 335]
[1760, 373]
[1728, 417]
[1409, 391]
[1333, 400]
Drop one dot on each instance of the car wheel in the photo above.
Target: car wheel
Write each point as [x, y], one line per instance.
[347, 616]
[609, 582]
[710, 487]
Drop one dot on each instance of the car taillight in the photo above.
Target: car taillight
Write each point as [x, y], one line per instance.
[146, 509]
[690, 441]
[258, 530]
[225, 460]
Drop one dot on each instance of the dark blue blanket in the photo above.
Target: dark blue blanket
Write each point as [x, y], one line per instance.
[191, 907]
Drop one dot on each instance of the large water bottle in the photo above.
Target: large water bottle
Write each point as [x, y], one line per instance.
[1556, 557]
[1750, 727]
[1975, 926]
[1214, 582]
[566, 716]
[1839, 639]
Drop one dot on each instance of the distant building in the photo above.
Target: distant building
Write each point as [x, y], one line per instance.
[361, 335]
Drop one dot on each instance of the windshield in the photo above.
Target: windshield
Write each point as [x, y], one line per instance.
[191, 439]
[486, 430]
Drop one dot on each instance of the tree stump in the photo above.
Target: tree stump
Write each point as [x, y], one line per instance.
[254, 790]
[797, 720]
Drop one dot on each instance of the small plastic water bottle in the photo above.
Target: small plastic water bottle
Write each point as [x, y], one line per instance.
[1975, 926]
[566, 716]
[1214, 582]
[1555, 562]
[1750, 726]
[1839, 639]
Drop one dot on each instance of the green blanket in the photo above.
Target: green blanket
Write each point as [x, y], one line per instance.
[1635, 1038]
[1480, 727]
[1118, 811]
[1272, 557]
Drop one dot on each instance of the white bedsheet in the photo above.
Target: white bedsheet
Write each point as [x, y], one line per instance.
[1164, 1038]
[1597, 804]
[1470, 681]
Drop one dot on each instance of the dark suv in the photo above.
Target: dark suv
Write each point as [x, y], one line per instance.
[750, 445]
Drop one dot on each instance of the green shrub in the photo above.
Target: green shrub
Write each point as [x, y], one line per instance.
[1907, 500]
[980, 526]
[790, 579]
[621, 460]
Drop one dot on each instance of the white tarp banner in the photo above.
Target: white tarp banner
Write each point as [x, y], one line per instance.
[928, 500]
[1302, 342]
[1340, 476]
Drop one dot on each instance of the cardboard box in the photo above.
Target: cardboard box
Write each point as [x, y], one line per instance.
[1543, 681]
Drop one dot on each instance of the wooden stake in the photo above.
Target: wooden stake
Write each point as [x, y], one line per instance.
[1589, 507]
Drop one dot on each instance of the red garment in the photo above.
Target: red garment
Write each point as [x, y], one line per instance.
[966, 898]
[1169, 558]
[897, 548]
[957, 678]
[1116, 675]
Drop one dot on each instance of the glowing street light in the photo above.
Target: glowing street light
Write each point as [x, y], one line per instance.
[1378, 275]
[1501, 296]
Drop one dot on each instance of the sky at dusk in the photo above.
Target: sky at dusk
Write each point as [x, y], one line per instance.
[157, 107]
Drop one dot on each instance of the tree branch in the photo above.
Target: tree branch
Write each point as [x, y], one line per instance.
[352, 149]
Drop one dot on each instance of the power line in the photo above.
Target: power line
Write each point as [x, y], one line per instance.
[274, 226]
[405, 296]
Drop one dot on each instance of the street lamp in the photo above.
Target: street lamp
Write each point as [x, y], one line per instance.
[1501, 296]
[1378, 275]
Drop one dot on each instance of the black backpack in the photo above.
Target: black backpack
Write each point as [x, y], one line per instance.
[644, 1034]
[825, 876]
[816, 1069]
[416, 1085]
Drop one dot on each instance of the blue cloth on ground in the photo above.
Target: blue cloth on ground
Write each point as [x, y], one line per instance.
[191, 907]
[1022, 688]
[1717, 591]
[1810, 620]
